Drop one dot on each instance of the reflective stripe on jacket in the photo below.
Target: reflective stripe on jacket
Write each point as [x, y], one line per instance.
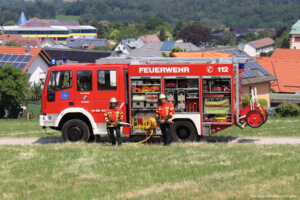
[113, 115]
[163, 110]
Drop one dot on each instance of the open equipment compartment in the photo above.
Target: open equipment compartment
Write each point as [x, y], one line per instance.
[216, 98]
[144, 100]
[183, 92]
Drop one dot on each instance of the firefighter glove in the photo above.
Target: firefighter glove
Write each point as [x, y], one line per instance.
[167, 117]
[157, 118]
[108, 123]
[119, 121]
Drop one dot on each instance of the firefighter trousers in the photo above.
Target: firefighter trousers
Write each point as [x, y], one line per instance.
[166, 133]
[112, 136]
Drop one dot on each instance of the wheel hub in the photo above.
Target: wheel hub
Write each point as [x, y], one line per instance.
[183, 133]
[75, 133]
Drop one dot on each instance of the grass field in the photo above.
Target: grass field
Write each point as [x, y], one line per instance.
[281, 127]
[182, 171]
[66, 18]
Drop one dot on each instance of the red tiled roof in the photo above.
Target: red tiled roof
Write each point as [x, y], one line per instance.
[22, 50]
[286, 53]
[9, 36]
[23, 41]
[261, 43]
[287, 72]
[150, 38]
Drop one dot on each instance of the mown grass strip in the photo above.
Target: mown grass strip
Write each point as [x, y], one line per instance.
[182, 171]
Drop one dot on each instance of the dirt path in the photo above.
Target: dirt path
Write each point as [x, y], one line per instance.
[30, 141]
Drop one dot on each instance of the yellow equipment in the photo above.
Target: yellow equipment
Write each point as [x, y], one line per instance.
[143, 123]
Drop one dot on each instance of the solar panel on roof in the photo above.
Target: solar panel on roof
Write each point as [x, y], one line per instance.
[64, 23]
[13, 58]
[6, 57]
[167, 45]
[264, 71]
[1, 56]
[2, 63]
[22, 66]
[259, 72]
[27, 58]
[15, 64]
[248, 74]
[20, 58]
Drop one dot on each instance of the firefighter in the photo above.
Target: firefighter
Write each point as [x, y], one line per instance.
[164, 113]
[113, 116]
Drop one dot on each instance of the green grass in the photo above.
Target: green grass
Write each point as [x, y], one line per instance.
[19, 128]
[66, 18]
[280, 127]
[182, 171]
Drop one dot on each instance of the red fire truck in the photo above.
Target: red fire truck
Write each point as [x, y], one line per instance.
[205, 92]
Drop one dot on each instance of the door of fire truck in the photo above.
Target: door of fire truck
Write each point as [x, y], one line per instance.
[108, 82]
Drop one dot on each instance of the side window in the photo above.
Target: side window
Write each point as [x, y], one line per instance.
[84, 80]
[107, 80]
[63, 80]
[51, 88]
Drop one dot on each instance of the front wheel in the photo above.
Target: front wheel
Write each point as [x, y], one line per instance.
[255, 118]
[183, 131]
[75, 130]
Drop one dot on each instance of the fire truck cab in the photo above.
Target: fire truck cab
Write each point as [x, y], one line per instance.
[205, 93]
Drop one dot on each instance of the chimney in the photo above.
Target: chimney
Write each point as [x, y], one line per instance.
[28, 47]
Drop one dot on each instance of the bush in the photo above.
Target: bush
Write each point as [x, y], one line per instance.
[263, 102]
[288, 109]
[245, 100]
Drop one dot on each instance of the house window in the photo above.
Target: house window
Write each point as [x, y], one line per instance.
[119, 48]
[107, 80]
[123, 48]
[297, 39]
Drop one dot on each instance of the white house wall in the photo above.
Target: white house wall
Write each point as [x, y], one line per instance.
[251, 51]
[38, 69]
[293, 43]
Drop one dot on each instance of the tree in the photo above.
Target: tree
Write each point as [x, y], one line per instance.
[10, 23]
[11, 44]
[162, 34]
[173, 50]
[229, 38]
[153, 22]
[250, 36]
[177, 29]
[263, 34]
[196, 34]
[14, 89]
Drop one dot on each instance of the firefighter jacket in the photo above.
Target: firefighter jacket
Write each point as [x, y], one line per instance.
[113, 114]
[163, 110]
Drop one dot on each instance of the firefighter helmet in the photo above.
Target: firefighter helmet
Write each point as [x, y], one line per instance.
[113, 100]
[162, 96]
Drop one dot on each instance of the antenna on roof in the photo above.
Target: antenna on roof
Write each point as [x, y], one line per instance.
[241, 46]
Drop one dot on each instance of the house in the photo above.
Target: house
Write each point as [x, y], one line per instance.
[157, 48]
[127, 45]
[258, 47]
[286, 71]
[142, 40]
[22, 42]
[295, 36]
[47, 42]
[34, 61]
[87, 43]
[78, 55]
[240, 31]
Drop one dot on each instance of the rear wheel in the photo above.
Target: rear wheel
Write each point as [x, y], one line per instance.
[183, 131]
[75, 130]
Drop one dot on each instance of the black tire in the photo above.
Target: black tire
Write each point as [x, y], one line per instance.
[183, 131]
[258, 118]
[75, 130]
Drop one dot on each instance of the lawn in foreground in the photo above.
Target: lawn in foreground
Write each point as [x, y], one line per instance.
[182, 171]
